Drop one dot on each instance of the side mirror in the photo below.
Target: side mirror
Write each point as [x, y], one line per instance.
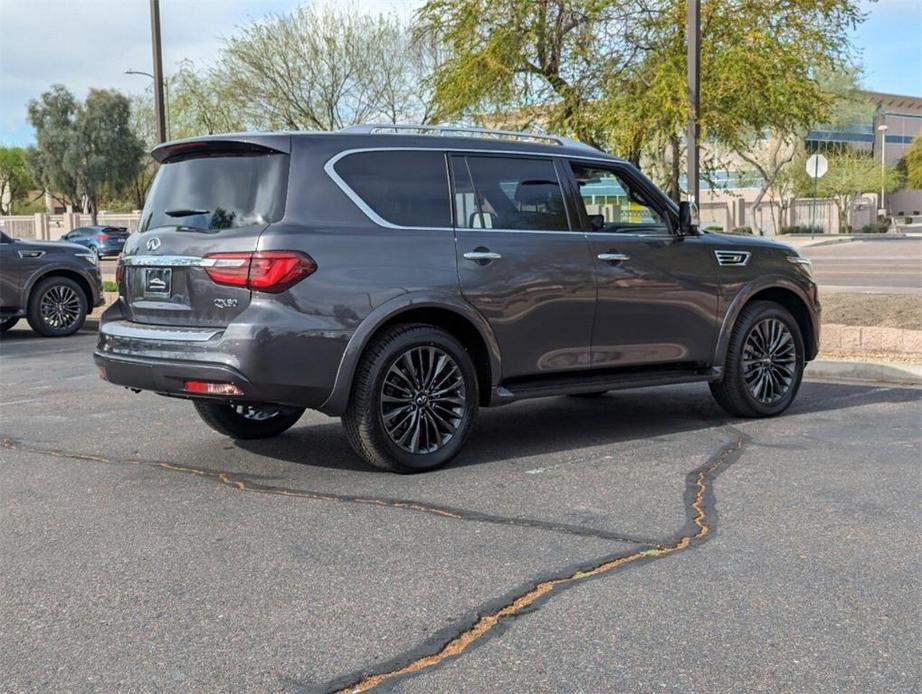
[686, 219]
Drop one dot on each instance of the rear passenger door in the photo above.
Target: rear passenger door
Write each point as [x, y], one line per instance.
[522, 263]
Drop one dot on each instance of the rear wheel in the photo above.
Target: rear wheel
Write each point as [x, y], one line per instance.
[247, 421]
[57, 307]
[765, 362]
[8, 323]
[413, 401]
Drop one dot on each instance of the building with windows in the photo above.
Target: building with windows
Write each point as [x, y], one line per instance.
[728, 200]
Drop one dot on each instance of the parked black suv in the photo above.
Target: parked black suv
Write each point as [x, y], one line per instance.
[52, 284]
[402, 277]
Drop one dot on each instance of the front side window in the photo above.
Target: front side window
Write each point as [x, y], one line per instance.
[508, 193]
[406, 188]
[613, 204]
[218, 191]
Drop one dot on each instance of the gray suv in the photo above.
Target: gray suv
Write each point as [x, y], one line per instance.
[401, 277]
[52, 284]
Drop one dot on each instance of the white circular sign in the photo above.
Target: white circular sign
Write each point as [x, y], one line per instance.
[817, 166]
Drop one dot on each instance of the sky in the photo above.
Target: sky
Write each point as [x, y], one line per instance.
[91, 43]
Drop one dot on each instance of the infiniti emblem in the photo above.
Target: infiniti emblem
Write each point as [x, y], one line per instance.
[153, 244]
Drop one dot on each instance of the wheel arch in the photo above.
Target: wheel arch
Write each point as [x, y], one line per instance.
[782, 292]
[61, 272]
[449, 313]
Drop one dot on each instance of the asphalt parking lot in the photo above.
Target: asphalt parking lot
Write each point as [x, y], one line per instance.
[637, 542]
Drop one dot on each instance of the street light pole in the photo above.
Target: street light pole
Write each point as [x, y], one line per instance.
[883, 162]
[693, 41]
[158, 70]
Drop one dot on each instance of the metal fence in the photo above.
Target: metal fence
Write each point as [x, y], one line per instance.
[51, 227]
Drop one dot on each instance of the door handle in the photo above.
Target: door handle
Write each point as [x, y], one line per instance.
[613, 257]
[482, 255]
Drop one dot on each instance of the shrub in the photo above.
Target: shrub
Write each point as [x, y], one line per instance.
[713, 227]
[742, 230]
[875, 228]
[797, 229]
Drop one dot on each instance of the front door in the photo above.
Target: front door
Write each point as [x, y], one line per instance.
[520, 263]
[657, 292]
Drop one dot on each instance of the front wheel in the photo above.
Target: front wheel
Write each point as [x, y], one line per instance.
[57, 307]
[414, 399]
[247, 421]
[765, 362]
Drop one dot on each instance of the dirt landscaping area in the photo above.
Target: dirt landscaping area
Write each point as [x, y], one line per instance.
[902, 311]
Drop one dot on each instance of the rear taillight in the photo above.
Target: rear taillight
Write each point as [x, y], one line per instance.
[264, 271]
[120, 270]
[102, 237]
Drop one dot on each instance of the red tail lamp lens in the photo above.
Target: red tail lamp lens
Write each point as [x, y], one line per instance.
[120, 270]
[102, 237]
[209, 388]
[264, 271]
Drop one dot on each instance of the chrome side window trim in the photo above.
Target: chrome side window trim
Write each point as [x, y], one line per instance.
[330, 169]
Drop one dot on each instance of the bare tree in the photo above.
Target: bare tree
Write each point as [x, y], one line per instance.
[323, 68]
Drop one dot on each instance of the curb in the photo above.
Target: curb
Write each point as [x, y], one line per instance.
[868, 372]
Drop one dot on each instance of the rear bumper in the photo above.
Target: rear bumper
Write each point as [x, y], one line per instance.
[272, 354]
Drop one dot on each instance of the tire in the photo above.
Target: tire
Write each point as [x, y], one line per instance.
[414, 399]
[247, 421]
[57, 307]
[752, 386]
[7, 324]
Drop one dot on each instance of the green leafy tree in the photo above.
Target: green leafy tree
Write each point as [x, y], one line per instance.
[613, 72]
[54, 117]
[851, 173]
[15, 179]
[84, 150]
[912, 163]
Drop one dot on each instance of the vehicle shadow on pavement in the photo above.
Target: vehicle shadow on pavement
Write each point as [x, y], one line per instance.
[22, 333]
[564, 424]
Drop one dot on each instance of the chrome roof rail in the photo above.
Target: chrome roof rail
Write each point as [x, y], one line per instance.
[461, 131]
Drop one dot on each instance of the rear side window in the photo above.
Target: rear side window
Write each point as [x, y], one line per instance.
[508, 193]
[406, 188]
[215, 192]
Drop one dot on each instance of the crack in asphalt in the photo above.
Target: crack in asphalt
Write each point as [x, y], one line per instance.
[244, 484]
[700, 525]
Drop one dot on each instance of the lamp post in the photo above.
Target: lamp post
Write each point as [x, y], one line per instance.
[166, 99]
[693, 54]
[882, 129]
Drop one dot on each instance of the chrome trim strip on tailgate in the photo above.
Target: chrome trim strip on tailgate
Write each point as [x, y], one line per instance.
[159, 333]
[180, 261]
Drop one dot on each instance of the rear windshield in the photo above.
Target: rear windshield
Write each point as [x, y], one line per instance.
[218, 192]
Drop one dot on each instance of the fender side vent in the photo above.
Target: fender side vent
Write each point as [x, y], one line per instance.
[732, 257]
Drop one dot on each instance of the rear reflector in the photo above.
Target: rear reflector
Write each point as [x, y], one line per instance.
[208, 388]
[101, 370]
[264, 271]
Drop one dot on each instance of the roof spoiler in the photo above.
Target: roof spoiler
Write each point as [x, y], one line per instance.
[265, 144]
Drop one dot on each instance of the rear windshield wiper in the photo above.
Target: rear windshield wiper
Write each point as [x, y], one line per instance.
[185, 212]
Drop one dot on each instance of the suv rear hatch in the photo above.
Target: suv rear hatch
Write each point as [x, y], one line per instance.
[208, 205]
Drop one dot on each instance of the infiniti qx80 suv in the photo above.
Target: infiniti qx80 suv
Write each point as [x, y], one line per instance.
[402, 277]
